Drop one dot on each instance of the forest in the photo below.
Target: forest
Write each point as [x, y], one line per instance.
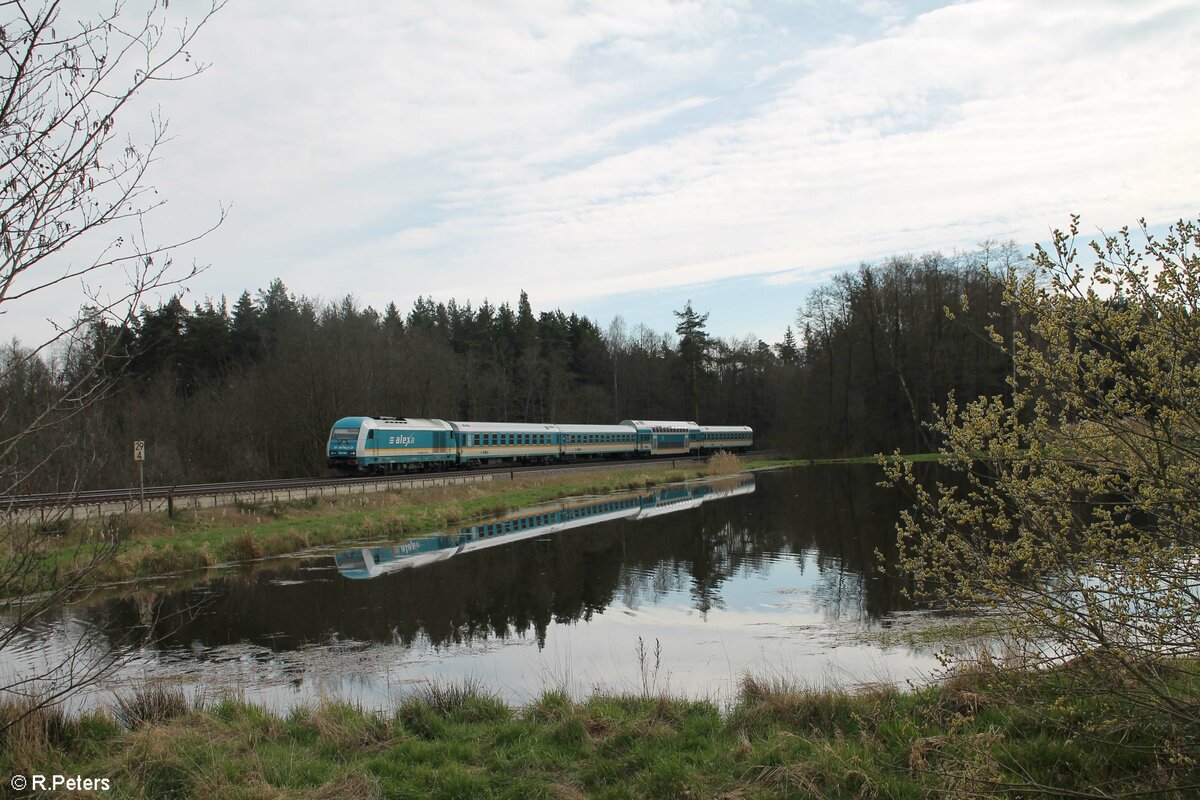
[249, 391]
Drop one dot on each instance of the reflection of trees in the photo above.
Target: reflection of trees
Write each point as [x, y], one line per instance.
[835, 518]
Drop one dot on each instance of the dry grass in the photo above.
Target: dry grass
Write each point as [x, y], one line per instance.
[151, 703]
[350, 785]
[28, 731]
[776, 700]
[247, 548]
[724, 463]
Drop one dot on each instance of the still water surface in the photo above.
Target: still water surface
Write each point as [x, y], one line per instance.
[774, 574]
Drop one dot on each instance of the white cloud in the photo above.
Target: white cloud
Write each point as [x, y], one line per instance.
[474, 149]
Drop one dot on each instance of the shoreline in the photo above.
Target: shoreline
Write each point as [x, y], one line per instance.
[153, 546]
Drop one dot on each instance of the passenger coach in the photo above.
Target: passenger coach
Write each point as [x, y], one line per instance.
[381, 444]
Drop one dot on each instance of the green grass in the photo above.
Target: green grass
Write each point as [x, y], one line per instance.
[977, 731]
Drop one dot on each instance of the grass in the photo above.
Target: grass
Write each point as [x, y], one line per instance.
[155, 545]
[974, 732]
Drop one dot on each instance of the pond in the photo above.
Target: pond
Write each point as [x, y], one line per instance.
[680, 589]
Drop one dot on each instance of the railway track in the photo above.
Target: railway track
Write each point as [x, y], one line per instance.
[158, 495]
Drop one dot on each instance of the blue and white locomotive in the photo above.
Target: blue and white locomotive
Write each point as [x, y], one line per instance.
[388, 444]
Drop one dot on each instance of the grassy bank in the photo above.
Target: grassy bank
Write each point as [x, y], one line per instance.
[973, 734]
[156, 545]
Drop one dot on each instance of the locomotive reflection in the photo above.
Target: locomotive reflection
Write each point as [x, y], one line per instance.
[371, 562]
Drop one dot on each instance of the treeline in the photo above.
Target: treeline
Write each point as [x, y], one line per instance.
[249, 391]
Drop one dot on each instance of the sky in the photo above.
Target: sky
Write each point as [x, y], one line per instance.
[624, 157]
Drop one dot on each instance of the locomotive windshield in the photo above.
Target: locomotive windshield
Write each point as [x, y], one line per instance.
[345, 434]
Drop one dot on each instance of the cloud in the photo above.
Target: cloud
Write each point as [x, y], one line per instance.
[573, 150]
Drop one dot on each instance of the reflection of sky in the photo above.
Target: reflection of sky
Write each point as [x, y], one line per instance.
[783, 619]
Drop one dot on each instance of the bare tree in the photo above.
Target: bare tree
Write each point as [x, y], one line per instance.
[74, 199]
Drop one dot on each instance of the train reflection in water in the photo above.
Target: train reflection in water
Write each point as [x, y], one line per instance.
[371, 562]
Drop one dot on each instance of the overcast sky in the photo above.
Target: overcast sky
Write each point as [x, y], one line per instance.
[624, 156]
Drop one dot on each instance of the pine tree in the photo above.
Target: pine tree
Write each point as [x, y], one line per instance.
[694, 347]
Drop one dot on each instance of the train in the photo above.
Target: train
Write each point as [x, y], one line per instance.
[396, 444]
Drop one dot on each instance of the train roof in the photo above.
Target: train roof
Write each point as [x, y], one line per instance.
[505, 427]
[596, 428]
[726, 429]
[408, 423]
[650, 424]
